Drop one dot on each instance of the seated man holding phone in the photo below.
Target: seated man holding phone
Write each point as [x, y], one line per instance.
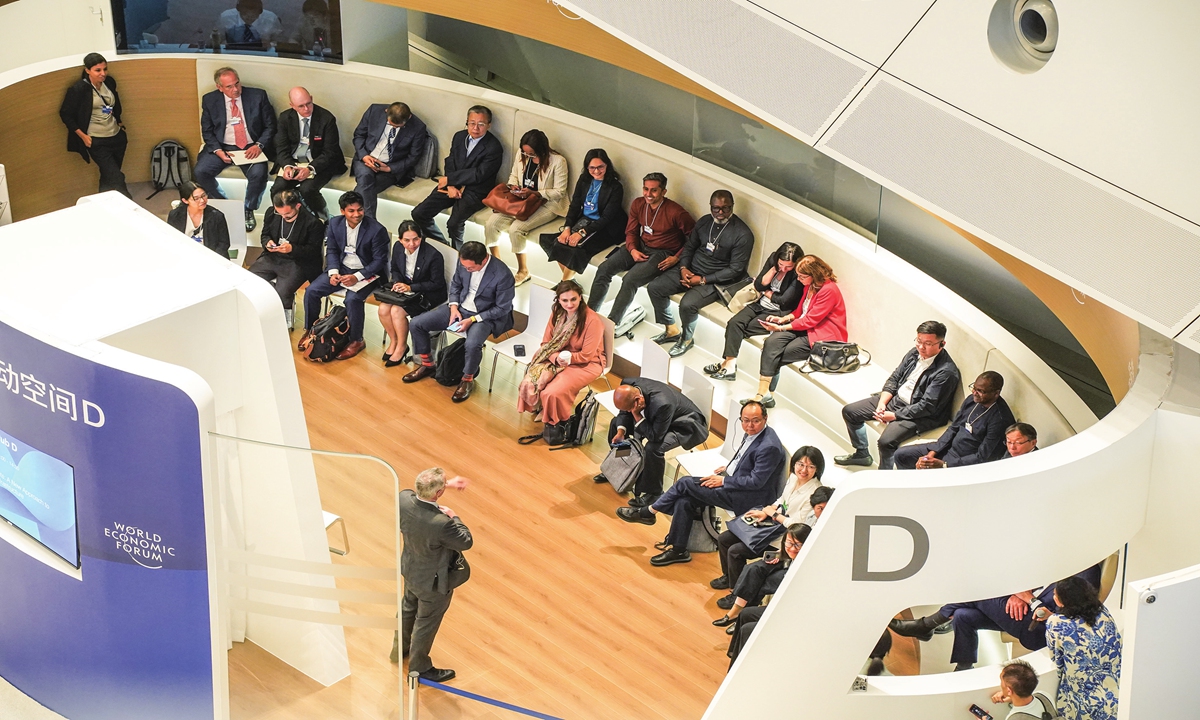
[291, 240]
[480, 305]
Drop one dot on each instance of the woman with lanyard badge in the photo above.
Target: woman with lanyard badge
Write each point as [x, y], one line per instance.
[596, 219]
[91, 111]
[200, 221]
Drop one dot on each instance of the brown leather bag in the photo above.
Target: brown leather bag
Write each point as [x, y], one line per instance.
[502, 200]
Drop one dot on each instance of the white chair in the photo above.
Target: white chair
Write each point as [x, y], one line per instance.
[610, 340]
[702, 463]
[541, 304]
[655, 365]
[235, 218]
[699, 389]
[330, 520]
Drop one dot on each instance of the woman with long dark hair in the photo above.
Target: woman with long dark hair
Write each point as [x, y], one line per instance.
[200, 221]
[1086, 648]
[596, 219]
[91, 111]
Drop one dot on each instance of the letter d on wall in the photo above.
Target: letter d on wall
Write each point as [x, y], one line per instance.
[862, 548]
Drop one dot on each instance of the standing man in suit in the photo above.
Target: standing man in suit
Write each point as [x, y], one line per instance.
[356, 256]
[388, 143]
[471, 167]
[752, 478]
[665, 419]
[976, 435]
[308, 150]
[235, 118]
[480, 305]
[434, 537]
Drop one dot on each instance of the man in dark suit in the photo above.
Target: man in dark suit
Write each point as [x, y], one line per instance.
[388, 143]
[480, 305]
[976, 435]
[918, 397]
[752, 478]
[433, 538]
[665, 419]
[308, 150]
[356, 256]
[471, 168]
[291, 240]
[234, 118]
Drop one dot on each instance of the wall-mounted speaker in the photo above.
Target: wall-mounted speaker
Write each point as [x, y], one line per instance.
[1023, 33]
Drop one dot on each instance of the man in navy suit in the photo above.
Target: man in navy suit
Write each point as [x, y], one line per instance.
[751, 479]
[471, 168]
[976, 435]
[234, 118]
[356, 249]
[480, 305]
[308, 151]
[388, 143]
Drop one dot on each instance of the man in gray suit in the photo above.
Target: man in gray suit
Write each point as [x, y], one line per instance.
[434, 537]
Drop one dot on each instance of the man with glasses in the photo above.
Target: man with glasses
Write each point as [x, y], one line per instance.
[388, 143]
[918, 397]
[308, 151]
[471, 169]
[751, 479]
[1019, 439]
[976, 435]
[713, 263]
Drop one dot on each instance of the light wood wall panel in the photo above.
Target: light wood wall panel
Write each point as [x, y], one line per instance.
[158, 99]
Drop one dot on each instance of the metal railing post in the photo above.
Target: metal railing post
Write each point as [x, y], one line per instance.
[413, 684]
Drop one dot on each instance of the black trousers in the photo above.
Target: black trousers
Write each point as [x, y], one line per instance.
[109, 154]
[759, 580]
[369, 184]
[857, 413]
[743, 325]
[636, 275]
[461, 211]
[577, 258]
[783, 348]
[310, 189]
[420, 618]
[654, 463]
[670, 282]
[747, 619]
[734, 555]
[287, 274]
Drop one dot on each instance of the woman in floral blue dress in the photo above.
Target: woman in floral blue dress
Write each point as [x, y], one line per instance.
[1086, 648]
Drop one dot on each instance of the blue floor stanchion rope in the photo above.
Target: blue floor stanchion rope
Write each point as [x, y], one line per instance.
[488, 700]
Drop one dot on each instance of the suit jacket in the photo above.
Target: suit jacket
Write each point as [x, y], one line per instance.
[984, 442]
[76, 112]
[493, 299]
[666, 409]
[933, 397]
[610, 204]
[755, 481]
[259, 118]
[213, 225]
[790, 289]
[372, 247]
[429, 278]
[474, 173]
[407, 146]
[826, 316]
[323, 141]
[307, 237]
[431, 542]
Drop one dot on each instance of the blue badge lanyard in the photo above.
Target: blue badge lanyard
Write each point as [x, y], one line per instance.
[104, 106]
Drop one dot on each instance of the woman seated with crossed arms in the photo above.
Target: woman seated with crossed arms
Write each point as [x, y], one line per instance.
[778, 289]
[200, 221]
[570, 358]
[820, 316]
[418, 269]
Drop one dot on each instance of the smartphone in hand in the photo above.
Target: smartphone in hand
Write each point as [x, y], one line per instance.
[980, 713]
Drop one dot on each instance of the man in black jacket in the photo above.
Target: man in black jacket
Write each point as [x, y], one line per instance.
[917, 397]
[471, 168]
[976, 435]
[388, 143]
[292, 238]
[715, 255]
[308, 150]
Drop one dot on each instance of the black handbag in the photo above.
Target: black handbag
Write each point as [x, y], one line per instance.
[830, 356]
[413, 303]
[757, 536]
[460, 570]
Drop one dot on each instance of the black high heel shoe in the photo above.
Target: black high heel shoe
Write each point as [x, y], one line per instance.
[388, 362]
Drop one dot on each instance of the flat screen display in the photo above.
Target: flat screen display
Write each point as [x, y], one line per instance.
[37, 496]
[309, 29]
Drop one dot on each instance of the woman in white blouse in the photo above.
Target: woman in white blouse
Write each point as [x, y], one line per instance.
[538, 168]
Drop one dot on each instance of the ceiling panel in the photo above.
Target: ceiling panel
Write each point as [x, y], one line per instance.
[869, 29]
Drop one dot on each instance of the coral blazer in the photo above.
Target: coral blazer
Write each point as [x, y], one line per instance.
[826, 317]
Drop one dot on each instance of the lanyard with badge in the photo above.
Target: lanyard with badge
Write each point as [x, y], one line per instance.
[105, 107]
[648, 228]
[712, 241]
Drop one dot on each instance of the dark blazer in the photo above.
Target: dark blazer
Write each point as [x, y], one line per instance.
[474, 173]
[406, 148]
[429, 277]
[666, 409]
[260, 118]
[610, 203]
[372, 247]
[790, 291]
[984, 442]
[933, 397]
[306, 238]
[756, 481]
[214, 226]
[493, 299]
[432, 540]
[76, 112]
[324, 141]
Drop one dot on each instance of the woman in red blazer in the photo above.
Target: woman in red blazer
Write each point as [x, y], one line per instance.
[820, 316]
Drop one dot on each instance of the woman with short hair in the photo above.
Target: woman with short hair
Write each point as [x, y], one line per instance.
[596, 219]
[91, 111]
[763, 578]
[200, 221]
[1086, 648]
[417, 271]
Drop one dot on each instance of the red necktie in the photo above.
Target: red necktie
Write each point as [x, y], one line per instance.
[239, 128]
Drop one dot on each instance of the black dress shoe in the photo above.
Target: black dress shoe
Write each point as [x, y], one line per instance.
[726, 602]
[710, 369]
[634, 515]
[724, 621]
[423, 371]
[463, 391]
[921, 628]
[251, 222]
[599, 479]
[723, 374]
[440, 675]
[720, 583]
[641, 501]
[858, 457]
[670, 557]
[681, 347]
[731, 629]
[664, 339]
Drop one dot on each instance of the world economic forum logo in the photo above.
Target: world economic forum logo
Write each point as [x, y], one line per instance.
[144, 548]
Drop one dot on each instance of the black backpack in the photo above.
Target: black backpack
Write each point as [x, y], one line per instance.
[330, 335]
[169, 166]
[1048, 711]
[450, 363]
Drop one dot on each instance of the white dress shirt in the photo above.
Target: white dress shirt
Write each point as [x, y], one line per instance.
[304, 149]
[410, 262]
[383, 148]
[905, 391]
[230, 138]
[350, 254]
[743, 449]
[468, 302]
